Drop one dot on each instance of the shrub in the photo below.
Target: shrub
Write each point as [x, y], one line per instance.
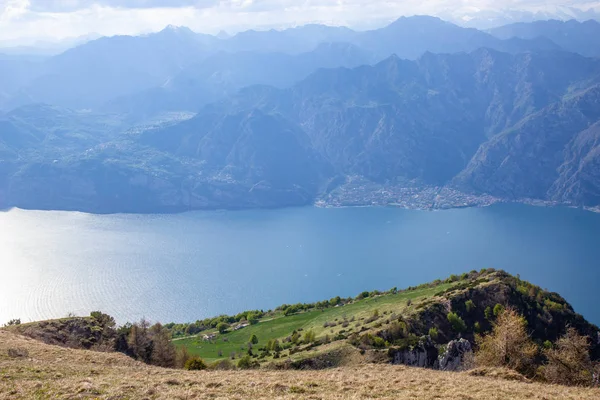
[508, 345]
[17, 353]
[498, 309]
[433, 333]
[477, 327]
[469, 305]
[488, 313]
[569, 361]
[409, 302]
[195, 364]
[246, 363]
[363, 295]
[253, 339]
[309, 337]
[13, 322]
[222, 327]
[457, 322]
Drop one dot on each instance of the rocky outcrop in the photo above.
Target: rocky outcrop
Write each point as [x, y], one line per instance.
[424, 355]
[453, 359]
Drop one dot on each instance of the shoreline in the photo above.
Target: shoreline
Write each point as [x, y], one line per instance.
[484, 201]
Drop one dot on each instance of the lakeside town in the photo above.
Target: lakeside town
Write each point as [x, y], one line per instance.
[359, 192]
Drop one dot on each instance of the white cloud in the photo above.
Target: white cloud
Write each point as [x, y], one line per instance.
[54, 19]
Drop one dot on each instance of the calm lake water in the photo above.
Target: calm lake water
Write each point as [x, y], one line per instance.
[194, 265]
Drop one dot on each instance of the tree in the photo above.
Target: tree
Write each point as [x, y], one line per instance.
[182, 357]
[254, 339]
[569, 360]
[508, 345]
[222, 327]
[104, 320]
[163, 349]
[195, 364]
[457, 322]
[139, 341]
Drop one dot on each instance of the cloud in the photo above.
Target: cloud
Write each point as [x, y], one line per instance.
[57, 6]
[51, 19]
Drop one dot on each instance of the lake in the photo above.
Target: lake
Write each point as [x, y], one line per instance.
[194, 265]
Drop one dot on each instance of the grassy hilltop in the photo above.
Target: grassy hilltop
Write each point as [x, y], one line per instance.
[507, 338]
[377, 322]
[333, 322]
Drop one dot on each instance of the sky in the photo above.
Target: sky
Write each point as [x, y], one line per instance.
[25, 21]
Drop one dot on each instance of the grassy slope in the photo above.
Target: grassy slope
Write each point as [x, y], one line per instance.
[281, 326]
[51, 372]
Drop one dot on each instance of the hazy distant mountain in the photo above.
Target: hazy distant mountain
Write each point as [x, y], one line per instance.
[223, 74]
[514, 126]
[286, 117]
[138, 74]
[410, 37]
[89, 75]
[16, 71]
[290, 41]
[491, 18]
[403, 120]
[45, 48]
[575, 36]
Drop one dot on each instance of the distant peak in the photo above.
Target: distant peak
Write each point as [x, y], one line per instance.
[177, 29]
[223, 35]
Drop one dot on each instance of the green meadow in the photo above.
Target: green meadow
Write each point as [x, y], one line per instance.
[348, 318]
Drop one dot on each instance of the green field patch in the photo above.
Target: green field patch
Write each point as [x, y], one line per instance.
[279, 326]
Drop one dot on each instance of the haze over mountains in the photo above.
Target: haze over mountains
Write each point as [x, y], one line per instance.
[178, 120]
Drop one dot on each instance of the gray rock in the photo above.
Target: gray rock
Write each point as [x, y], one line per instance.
[453, 358]
[423, 355]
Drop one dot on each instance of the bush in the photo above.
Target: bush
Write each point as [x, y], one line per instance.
[469, 305]
[309, 337]
[222, 327]
[508, 345]
[457, 322]
[498, 309]
[569, 361]
[253, 339]
[195, 364]
[488, 313]
[221, 365]
[433, 333]
[17, 353]
[246, 363]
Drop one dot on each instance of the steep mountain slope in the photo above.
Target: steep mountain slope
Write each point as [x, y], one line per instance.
[423, 120]
[460, 119]
[572, 35]
[223, 74]
[551, 154]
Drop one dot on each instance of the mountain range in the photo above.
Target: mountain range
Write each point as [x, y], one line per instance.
[177, 120]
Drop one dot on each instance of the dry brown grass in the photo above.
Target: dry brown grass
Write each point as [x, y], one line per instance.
[55, 372]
